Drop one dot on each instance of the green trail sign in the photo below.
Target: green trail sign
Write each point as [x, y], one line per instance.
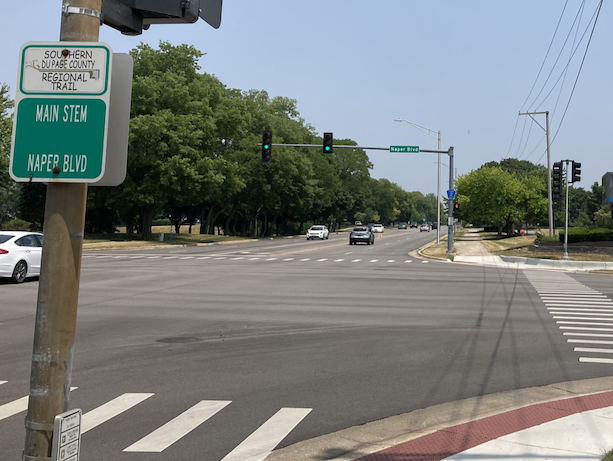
[408, 149]
[61, 112]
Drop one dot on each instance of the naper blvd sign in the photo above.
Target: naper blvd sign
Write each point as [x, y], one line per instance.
[61, 112]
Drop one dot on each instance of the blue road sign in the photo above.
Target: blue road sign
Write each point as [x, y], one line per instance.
[451, 194]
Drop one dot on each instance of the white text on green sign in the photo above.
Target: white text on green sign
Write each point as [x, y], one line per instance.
[409, 149]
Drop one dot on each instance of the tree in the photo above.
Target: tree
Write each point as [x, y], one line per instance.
[494, 196]
[6, 126]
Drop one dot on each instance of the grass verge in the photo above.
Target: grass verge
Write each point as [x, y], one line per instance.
[608, 456]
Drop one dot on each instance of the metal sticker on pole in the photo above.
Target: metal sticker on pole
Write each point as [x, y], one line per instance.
[61, 112]
[67, 436]
[407, 149]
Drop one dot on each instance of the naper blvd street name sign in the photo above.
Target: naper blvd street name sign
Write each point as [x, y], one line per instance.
[61, 112]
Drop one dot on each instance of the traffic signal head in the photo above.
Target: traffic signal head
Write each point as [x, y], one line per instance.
[576, 172]
[456, 209]
[328, 143]
[267, 147]
[556, 179]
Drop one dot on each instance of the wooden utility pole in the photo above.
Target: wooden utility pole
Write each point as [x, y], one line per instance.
[58, 290]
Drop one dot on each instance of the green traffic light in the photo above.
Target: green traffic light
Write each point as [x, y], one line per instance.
[265, 146]
[327, 148]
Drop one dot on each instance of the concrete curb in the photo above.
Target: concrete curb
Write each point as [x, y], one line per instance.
[355, 442]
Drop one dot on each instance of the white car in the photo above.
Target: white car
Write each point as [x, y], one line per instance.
[425, 227]
[20, 254]
[377, 228]
[318, 232]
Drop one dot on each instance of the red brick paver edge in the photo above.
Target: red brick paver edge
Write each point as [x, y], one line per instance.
[452, 440]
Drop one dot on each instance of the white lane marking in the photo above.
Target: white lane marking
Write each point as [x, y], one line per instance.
[595, 360]
[320, 260]
[409, 261]
[222, 257]
[306, 259]
[136, 257]
[604, 302]
[598, 324]
[187, 257]
[271, 259]
[205, 257]
[577, 305]
[14, 407]
[111, 409]
[170, 257]
[597, 335]
[579, 313]
[260, 443]
[424, 262]
[589, 341]
[356, 260]
[3, 382]
[571, 295]
[253, 259]
[391, 260]
[374, 260]
[288, 259]
[152, 257]
[349, 253]
[583, 318]
[338, 260]
[173, 430]
[387, 243]
[237, 258]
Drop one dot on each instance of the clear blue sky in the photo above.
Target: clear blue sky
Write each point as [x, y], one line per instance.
[465, 68]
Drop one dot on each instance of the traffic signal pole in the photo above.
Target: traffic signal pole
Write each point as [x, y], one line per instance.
[58, 289]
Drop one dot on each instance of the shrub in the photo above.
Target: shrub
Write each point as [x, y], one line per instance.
[582, 234]
[17, 225]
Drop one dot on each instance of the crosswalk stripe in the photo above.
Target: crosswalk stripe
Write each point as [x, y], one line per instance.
[260, 443]
[111, 409]
[595, 360]
[173, 430]
[14, 407]
[577, 309]
[592, 349]
[2, 382]
[589, 341]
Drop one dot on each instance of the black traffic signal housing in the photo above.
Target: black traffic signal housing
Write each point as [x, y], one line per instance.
[267, 146]
[456, 210]
[576, 174]
[556, 186]
[328, 139]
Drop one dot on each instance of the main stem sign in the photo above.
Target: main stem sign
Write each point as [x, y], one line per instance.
[61, 112]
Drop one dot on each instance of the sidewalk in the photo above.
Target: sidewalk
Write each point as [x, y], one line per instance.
[470, 250]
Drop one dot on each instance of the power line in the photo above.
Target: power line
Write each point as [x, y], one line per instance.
[578, 73]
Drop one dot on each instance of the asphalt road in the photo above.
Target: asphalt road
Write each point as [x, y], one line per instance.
[307, 336]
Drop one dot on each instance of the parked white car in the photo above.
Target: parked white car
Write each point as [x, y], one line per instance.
[20, 254]
[377, 228]
[318, 232]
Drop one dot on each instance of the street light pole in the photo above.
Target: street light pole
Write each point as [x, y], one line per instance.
[428, 131]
